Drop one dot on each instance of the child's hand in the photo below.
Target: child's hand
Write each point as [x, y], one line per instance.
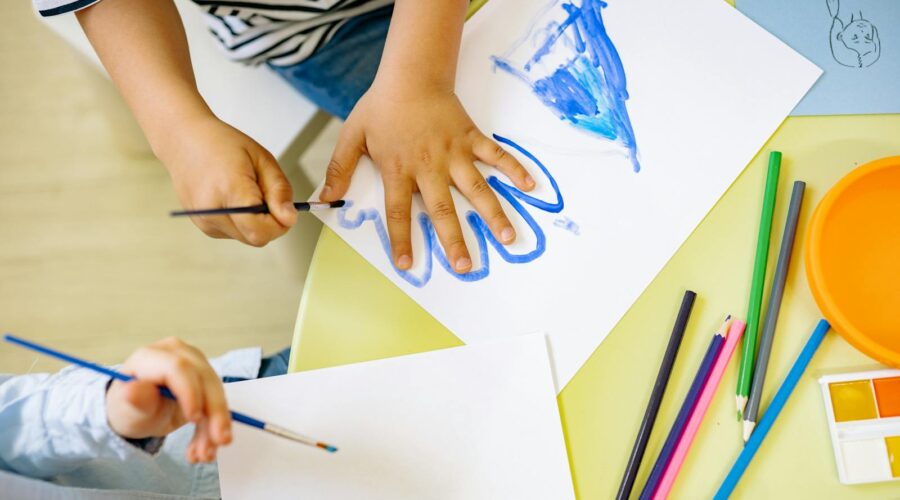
[137, 410]
[422, 139]
[215, 166]
[143, 47]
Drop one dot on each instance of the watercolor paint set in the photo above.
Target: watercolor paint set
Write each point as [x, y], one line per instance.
[863, 411]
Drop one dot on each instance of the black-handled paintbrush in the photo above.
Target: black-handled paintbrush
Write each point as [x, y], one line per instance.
[301, 206]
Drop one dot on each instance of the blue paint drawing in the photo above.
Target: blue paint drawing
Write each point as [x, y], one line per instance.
[569, 61]
[483, 235]
[569, 225]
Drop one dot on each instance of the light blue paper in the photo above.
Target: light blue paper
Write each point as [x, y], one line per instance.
[858, 49]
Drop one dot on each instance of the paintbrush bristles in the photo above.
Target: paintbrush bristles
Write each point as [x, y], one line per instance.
[293, 436]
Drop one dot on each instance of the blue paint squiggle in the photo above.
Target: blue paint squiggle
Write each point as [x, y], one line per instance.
[483, 234]
[588, 87]
[569, 225]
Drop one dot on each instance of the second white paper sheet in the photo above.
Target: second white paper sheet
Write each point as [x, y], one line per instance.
[473, 422]
[633, 116]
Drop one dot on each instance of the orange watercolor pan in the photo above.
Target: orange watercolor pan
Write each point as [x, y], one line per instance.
[887, 391]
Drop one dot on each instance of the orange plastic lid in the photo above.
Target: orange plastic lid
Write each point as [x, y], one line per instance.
[853, 258]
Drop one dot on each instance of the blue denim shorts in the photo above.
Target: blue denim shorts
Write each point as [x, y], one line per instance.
[270, 366]
[335, 77]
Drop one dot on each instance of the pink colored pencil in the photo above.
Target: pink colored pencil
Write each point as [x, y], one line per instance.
[706, 396]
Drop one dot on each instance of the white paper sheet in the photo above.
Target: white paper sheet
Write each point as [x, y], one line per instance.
[473, 422]
[706, 88]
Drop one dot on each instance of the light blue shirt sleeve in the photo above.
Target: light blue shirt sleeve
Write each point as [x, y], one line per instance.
[54, 427]
[54, 424]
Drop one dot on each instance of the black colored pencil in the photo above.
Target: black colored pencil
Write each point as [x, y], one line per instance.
[656, 396]
[687, 407]
[301, 206]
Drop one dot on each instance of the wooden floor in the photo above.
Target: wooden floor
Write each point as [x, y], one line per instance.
[89, 261]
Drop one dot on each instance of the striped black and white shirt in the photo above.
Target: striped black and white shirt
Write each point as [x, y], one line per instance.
[280, 32]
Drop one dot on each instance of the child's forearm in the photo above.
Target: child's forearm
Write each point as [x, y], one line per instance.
[422, 45]
[143, 47]
[54, 424]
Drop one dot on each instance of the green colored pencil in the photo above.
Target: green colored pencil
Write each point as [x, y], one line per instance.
[748, 354]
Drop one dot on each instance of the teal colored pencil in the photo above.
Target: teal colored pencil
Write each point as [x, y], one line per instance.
[748, 351]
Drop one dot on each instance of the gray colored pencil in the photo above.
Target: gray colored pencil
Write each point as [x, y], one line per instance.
[751, 413]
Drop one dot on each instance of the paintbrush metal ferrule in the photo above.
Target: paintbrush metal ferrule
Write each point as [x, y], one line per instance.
[293, 436]
[323, 205]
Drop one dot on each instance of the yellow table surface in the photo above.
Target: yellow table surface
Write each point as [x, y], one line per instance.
[350, 312]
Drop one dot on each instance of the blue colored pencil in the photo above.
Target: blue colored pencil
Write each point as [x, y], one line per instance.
[768, 418]
[690, 401]
[238, 417]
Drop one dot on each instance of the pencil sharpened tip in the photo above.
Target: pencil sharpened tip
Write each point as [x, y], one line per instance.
[748, 429]
[726, 326]
[740, 403]
[331, 449]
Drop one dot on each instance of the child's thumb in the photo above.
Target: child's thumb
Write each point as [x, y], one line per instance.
[142, 396]
[343, 162]
[277, 192]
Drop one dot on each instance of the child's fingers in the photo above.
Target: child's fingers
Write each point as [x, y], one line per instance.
[350, 147]
[184, 383]
[202, 446]
[158, 365]
[141, 395]
[218, 226]
[492, 153]
[190, 453]
[435, 191]
[214, 401]
[225, 227]
[219, 415]
[398, 191]
[209, 227]
[276, 191]
[136, 409]
[254, 229]
[472, 185]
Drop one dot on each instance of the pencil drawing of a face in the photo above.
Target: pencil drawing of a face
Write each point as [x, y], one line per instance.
[854, 43]
[859, 36]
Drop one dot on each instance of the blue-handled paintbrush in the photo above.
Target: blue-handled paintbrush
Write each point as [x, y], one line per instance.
[238, 417]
